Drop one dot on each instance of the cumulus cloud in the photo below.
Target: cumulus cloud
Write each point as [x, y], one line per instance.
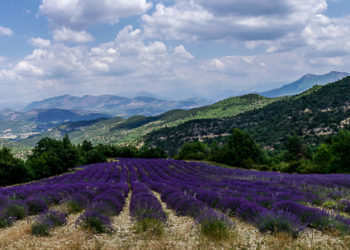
[287, 39]
[78, 14]
[5, 31]
[40, 42]
[180, 51]
[127, 59]
[230, 20]
[67, 35]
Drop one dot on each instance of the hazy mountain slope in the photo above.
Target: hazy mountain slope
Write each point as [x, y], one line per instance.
[114, 105]
[16, 125]
[133, 129]
[314, 114]
[305, 83]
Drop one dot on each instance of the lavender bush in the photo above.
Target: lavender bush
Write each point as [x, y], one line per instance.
[95, 221]
[48, 220]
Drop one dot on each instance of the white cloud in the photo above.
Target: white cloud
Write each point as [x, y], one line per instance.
[230, 20]
[180, 51]
[285, 39]
[26, 68]
[5, 31]
[78, 14]
[67, 35]
[125, 62]
[40, 43]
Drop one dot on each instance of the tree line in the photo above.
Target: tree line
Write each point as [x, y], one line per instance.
[240, 150]
[53, 157]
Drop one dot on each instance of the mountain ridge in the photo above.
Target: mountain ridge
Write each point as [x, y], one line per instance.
[315, 114]
[305, 83]
[113, 104]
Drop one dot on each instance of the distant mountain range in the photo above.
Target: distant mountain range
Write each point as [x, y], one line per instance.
[115, 105]
[314, 114]
[139, 124]
[304, 83]
[18, 125]
[133, 129]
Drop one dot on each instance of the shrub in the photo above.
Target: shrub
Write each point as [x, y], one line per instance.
[150, 226]
[101, 207]
[95, 221]
[57, 218]
[330, 204]
[76, 203]
[35, 206]
[313, 217]
[344, 206]
[40, 228]
[6, 221]
[145, 205]
[48, 220]
[214, 225]
[114, 204]
[278, 221]
[15, 209]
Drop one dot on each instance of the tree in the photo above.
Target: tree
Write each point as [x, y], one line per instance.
[52, 157]
[323, 157]
[296, 148]
[193, 151]
[95, 156]
[241, 149]
[12, 170]
[340, 148]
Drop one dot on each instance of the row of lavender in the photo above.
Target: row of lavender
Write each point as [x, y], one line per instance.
[269, 200]
[98, 189]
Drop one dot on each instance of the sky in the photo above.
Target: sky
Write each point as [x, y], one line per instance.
[172, 48]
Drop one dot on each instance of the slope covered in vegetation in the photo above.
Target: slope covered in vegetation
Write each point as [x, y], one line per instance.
[314, 115]
[132, 130]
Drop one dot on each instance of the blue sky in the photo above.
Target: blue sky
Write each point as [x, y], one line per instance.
[173, 48]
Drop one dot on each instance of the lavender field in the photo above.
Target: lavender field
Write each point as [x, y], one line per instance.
[102, 203]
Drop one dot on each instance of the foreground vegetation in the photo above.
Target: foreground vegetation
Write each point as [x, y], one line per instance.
[169, 200]
[239, 150]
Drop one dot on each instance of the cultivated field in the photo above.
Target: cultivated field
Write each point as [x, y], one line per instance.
[168, 204]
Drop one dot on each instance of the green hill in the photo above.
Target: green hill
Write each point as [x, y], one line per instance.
[132, 130]
[314, 114]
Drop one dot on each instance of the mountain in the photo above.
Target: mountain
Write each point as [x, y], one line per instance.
[305, 83]
[315, 114]
[132, 130]
[18, 125]
[113, 105]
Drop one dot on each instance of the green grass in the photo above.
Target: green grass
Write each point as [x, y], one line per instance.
[41, 229]
[73, 207]
[215, 230]
[150, 227]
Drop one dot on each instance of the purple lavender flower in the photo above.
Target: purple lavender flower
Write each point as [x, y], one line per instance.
[95, 221]
[35, 206]
[279, 221]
